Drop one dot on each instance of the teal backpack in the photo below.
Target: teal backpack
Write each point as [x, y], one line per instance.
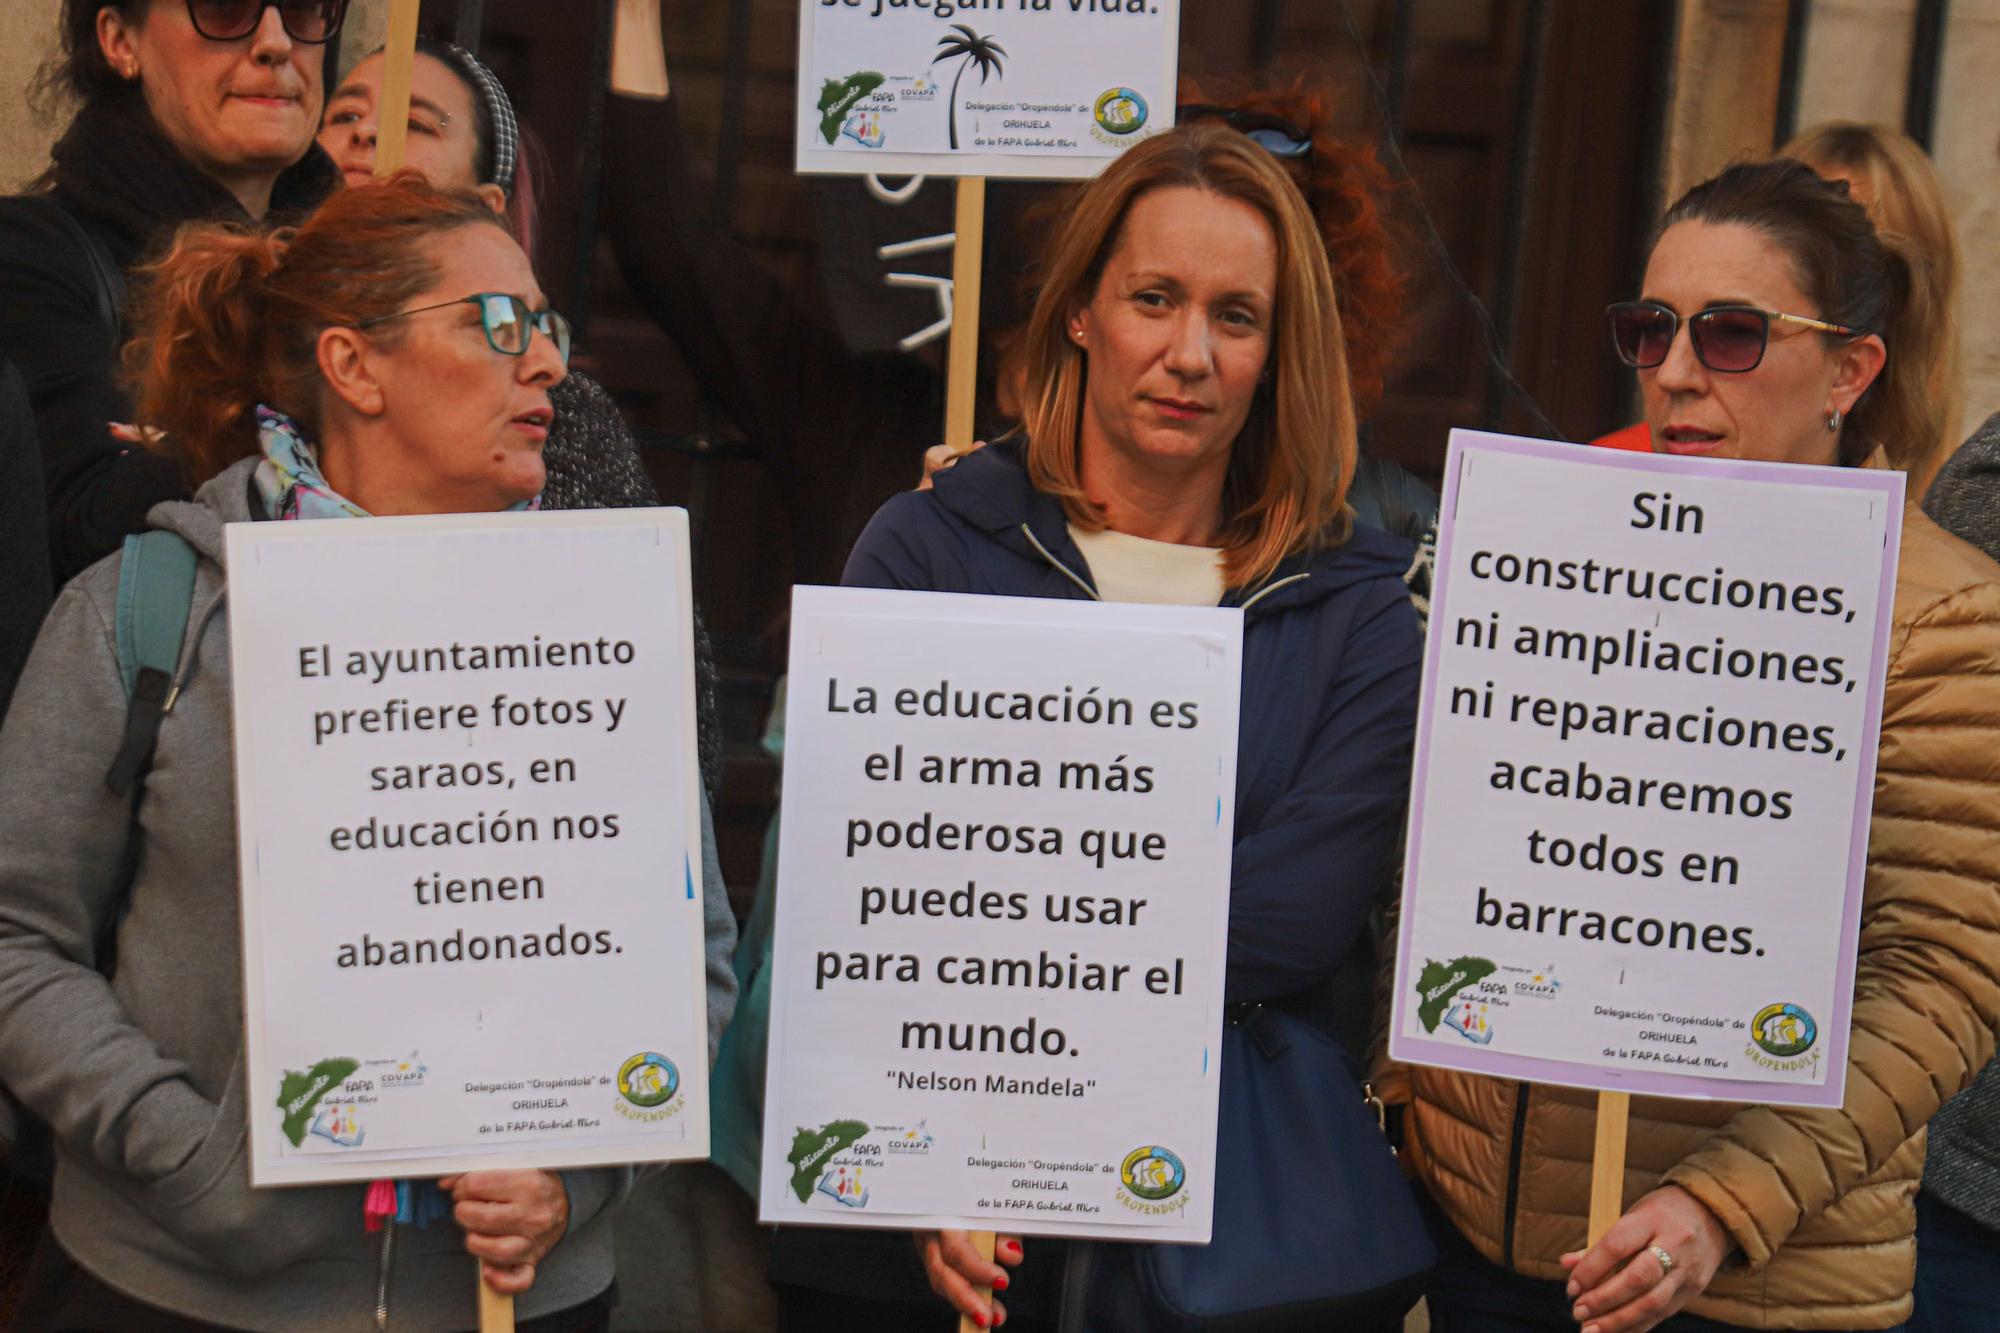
[155, 595]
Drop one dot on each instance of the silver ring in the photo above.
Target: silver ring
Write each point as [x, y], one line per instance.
[1666, 1260]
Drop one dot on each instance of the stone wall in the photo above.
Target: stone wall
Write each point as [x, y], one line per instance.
[24, 139]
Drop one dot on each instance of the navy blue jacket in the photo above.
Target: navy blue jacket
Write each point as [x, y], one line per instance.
[1331, 653]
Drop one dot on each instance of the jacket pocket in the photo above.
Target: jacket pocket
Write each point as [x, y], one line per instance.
[212, 1158]
[207, 1204]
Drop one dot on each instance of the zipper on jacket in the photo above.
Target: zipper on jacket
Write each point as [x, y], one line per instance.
[1270, 588]
[382, 1273]
[1514, 1175]
[1049, 556]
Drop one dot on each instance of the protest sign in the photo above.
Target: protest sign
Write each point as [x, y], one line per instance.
[1028, 88]
[1646, 760]
[1003, 891]
[468, 813]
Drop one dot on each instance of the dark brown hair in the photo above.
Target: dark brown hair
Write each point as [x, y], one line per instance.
[231, 317]
[77, 70]
[1855, 277]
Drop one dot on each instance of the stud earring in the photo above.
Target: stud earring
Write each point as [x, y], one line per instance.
[1833, 420]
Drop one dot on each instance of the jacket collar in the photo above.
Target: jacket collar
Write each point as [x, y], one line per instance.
[989, 490]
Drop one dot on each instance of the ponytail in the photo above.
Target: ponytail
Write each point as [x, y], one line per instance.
[198, 361]
[1901, 412]
[231, 317]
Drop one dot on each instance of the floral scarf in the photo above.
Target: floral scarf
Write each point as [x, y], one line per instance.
[291, 484]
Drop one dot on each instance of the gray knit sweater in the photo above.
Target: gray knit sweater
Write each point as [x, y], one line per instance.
[1964, 1165]
[593, 463]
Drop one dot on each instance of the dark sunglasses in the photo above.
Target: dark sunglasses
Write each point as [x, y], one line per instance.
[308, 21]
[1274, 134]
[1726, 338]
[509, 322]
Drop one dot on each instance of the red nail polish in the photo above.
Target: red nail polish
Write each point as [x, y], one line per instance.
[1000, 1283]
[982, 1320]
[1013, 1247]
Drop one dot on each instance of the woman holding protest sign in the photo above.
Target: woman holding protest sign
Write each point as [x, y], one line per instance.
[1189, 439]
[392, 356]
[1775, 325]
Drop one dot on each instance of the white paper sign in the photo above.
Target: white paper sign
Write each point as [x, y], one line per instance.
[1646, 760]
[1003, 896]
[471, 869]
[1025, 88]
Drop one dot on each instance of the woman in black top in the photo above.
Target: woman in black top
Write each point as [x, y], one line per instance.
[178, 117]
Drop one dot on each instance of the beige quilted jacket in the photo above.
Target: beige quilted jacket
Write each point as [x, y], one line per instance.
[1819, 1202]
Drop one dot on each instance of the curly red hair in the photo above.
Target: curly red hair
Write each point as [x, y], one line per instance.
[231, 316]
[1350, 193]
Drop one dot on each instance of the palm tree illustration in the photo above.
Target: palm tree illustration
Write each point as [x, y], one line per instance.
[968, 48]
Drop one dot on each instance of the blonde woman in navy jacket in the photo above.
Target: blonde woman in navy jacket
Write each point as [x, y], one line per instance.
[1189, 439]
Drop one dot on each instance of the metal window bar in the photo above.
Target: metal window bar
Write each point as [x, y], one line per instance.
[1402, 31]
[1797, 14]
[469, 25]
[1521, 154]
[1926, 53]
[590, 174]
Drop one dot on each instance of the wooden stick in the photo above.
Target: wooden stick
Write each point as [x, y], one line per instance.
[496, 1309]
[392, 122]
[1607, 1163]
[982, 1241]
[962, 376]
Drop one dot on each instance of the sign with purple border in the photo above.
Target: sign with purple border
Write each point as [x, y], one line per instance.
[1645, 764]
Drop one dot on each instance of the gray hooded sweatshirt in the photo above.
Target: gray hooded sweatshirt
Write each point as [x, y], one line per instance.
[141, 1074]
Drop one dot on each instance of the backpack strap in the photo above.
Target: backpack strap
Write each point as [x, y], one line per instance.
[155, 596]
[107, 279]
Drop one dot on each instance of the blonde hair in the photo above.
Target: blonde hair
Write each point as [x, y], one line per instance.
[1290, 467]
[1897, 183]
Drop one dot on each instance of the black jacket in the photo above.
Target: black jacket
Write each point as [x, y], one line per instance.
[117, 185]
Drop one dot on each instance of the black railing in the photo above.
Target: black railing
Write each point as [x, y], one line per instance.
[1926, 53]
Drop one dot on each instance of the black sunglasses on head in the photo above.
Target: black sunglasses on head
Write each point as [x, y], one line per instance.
[1274, 134]
[308, 21]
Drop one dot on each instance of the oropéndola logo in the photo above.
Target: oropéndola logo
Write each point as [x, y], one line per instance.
[1784, 1030]
[648, 1079]
[1153, 1173]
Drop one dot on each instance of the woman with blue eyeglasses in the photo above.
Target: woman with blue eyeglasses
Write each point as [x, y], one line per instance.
[393, 355]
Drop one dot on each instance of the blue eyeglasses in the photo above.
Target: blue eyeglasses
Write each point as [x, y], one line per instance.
[509, 321]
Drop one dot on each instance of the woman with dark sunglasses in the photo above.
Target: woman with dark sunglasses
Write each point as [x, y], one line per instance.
[1775, 325]
[391, 356]
[185, 110]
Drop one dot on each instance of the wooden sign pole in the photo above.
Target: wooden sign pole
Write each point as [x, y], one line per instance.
[1607, 1163]
[392, 134]
[962, 375]
[982, 1241]
[496, 1311]
[392, 121]
[961, 391]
